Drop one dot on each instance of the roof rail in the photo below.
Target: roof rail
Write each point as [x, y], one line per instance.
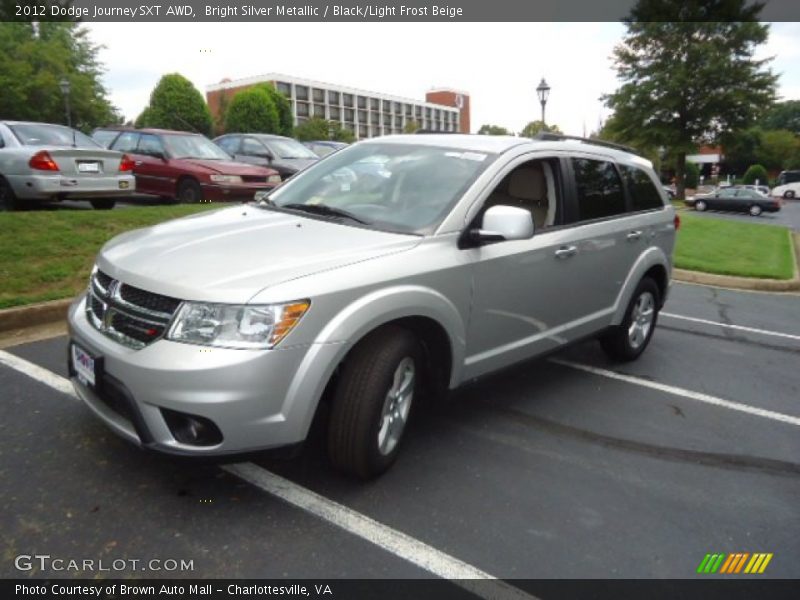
[554, 137]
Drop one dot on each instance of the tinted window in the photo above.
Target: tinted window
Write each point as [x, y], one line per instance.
[229, 144]
[644, 194]
[151, 145]
[126, 142]
[599, 189]
[251, 147]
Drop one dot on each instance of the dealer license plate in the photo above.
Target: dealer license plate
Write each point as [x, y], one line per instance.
[83, 364]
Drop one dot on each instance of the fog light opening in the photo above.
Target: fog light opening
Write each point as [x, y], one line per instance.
[192, 429]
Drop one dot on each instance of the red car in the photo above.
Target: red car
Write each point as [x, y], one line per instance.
[188, 167]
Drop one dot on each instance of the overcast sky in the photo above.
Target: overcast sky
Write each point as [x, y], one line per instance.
[498, 64]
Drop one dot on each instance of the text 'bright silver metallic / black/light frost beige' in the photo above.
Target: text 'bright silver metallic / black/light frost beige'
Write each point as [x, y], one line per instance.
[393, 270]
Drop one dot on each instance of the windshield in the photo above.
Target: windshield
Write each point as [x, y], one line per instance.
[193, 146]
[288, 148]
[398, 187]
[41, 134]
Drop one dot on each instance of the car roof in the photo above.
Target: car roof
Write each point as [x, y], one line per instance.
[497, 144]
[165, 131]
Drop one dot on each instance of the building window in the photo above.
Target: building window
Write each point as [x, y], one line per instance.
[348, 115]
[284, 88]
[319, 95]
[362, 116]
[319, 110]
[397, 107]
[418, 111]
[335, 113]
[374, 104]
[301, 92]
[398, 121]
[302, 109]
[347, 99]
[362, 102]
[333, 97]
[409, 110]
[387, 106]
[374, 118]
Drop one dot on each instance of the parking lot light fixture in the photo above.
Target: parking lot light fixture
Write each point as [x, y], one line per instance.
[543, 91]
[65, 89]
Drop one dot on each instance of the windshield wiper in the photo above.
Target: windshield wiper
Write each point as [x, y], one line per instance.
[325, 210]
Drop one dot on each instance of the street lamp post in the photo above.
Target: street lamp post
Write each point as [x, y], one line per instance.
[65, 87]
[543, 91]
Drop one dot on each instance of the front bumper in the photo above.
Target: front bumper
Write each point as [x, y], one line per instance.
[257, 399]
[44, 187]
[215, 192]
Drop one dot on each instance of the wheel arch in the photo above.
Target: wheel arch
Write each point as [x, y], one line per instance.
[652, 263]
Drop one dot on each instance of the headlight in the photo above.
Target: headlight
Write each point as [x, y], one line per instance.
[234, 326]
[226, 179]
[274, 179]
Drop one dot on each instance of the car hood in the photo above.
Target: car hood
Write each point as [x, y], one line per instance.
[231, 254]
[228, 167]
[294, 164]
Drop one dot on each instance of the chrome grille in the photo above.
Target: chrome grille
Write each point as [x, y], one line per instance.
[131, 316]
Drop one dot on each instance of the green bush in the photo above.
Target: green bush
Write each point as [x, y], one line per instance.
[176, 104]
[284, 108]
[756, 172]
[692, 175]
[252, 111]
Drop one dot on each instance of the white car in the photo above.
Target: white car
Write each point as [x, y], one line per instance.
[789, 190]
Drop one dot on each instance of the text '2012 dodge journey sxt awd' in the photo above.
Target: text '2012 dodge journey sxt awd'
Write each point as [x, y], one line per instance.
[363, 288]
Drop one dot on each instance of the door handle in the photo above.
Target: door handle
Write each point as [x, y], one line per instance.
[566, 251]
[634, 235]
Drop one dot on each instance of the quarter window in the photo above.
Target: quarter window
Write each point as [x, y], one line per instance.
[644, 194]
[599, 189]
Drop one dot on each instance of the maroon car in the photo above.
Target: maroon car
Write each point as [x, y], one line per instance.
[188, 167]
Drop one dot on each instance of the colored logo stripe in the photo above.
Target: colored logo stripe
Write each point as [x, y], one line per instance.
[734, 563]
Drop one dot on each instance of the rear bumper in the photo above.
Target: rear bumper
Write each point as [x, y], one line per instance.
[44, 187]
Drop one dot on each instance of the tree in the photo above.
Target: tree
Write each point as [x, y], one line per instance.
[411, 127]
[756, 173]
[176, 104]
[692, 175]
[777, 149]
[534, 127]
[493, 130]
[341, 134]
[252, 111]
[33, 60]
[317, 128]
[283, 107]
[687, 80]
[783, 115]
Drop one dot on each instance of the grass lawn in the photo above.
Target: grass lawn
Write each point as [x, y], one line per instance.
[733, 248]
[47, 255]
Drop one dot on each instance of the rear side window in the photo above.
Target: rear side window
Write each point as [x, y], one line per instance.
[126, 142]
[644, 194]
[599, 189]
[229, 144]
[151, 145]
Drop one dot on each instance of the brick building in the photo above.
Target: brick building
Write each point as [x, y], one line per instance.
[365, 113]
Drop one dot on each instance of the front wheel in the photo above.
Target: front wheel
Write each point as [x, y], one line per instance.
[626, 341]
[189, 192]
[755, 210]
[373, 401]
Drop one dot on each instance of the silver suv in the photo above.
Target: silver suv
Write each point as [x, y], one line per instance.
[397, 267]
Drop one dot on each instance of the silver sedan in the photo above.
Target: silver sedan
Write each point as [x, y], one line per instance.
[41, 161]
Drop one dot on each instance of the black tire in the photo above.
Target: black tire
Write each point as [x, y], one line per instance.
[103, 203]
[362, 398]
[8, 199]
[788, 194]
[700, 205]
[189, 192]
[755, 210]
[617, 342]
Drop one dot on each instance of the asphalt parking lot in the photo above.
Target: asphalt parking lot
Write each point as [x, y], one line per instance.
[787, 216]
[567, 467]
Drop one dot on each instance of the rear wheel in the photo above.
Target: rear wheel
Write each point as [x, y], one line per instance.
[788, 194]
[755, 210]
[626, 341]
[189, 191]
[103, 204]
[700, 205]
[8, 199]
[373, 401]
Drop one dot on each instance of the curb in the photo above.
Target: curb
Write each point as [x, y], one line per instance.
[43, 313]
[737, 283]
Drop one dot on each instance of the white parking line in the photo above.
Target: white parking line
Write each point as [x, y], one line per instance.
[426, 557]
[683, 392]
[790, 336]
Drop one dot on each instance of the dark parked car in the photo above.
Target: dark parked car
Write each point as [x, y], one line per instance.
[188, 167]
[324, 147]
[286, 155]
[738, 199]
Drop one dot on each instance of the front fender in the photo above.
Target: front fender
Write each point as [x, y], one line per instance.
[653, 256]
[346, 328]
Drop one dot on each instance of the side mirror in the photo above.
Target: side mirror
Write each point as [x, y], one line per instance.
[501, 223]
